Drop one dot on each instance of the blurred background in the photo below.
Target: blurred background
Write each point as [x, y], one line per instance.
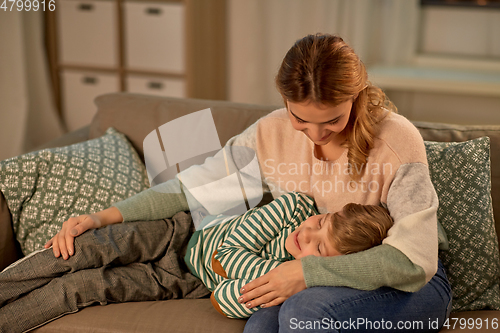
[438, 60]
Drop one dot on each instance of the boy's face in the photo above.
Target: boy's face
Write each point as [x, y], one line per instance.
[311, 238]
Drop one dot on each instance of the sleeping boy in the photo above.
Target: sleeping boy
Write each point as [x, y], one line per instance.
[231, 251]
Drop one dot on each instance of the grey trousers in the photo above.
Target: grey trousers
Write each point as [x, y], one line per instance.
[139, 261]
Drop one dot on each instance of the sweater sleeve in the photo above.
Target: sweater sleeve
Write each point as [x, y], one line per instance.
[408, 257]
[167, 199]
[156, 203]
[240, 256]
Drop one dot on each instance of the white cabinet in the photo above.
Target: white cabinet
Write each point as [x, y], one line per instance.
[154, 36]
[79, 90]
[87, 33]
[161, 47]
[160, 86]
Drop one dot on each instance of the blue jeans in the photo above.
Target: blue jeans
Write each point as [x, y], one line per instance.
[341, 309]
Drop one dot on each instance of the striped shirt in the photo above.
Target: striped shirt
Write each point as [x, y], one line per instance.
[248, 246]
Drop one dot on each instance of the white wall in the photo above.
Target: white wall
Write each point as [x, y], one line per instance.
[28, 117]
[462, 34]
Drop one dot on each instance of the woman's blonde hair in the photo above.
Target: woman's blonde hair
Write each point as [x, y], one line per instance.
[323, 69]
[359, 227]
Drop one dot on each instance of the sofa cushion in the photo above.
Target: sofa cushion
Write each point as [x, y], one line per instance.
[460, 173]
[120, 110]
[459, 133]
[173, 316]
[44, 188]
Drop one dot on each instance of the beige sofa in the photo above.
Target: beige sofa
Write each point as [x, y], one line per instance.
[136, 116]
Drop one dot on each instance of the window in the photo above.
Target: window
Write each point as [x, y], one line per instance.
[460, 28]
[463, 3]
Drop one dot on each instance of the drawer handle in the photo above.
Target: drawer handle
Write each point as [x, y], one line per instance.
[155, 85]
[153, 11]
[89, 80]
[86, 7]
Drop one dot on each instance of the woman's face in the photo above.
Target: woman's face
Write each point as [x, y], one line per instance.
[320, 123]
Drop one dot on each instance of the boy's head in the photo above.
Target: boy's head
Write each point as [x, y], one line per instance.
[355, 228]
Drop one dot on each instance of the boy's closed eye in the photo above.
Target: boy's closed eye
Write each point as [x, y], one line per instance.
[312, 237]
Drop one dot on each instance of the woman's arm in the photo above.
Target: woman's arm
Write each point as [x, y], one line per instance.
[62, 242]
[406, 260]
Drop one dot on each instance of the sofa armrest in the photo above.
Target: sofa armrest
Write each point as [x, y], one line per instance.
[10, 250]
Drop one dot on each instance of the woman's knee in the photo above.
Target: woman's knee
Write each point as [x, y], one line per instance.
[312, 305]
[333, 307]
[263, 321]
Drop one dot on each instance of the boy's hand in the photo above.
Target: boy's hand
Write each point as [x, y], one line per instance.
[63, 242]
[274, 287]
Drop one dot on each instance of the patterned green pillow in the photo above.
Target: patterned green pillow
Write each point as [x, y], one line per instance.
[460, 172]
[44, 188]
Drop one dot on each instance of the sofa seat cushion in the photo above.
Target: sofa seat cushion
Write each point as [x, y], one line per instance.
[173, 316]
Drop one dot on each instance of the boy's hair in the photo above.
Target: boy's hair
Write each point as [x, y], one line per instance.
[359, 227]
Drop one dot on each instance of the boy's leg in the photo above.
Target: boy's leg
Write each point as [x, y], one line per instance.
[71, 292]
[161, 275]
[115, 245]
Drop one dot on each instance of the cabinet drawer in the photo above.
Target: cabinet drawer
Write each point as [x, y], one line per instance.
[78, 92]
[87, 33]
[171, 87]
[154, 36]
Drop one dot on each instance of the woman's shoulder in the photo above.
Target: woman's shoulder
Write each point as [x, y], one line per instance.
[248, 137]
[276, 127]
[400, 136]
[276, 115]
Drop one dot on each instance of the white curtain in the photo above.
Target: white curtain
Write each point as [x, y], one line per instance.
[261, 32]
[28, 117]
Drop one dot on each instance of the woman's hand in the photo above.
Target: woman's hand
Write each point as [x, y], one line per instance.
[62, 242]
[274, 287]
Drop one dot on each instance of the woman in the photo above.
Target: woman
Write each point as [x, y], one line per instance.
[338, 140]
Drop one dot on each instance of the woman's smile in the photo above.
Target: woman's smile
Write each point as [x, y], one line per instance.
[320, 123]
[326, 137]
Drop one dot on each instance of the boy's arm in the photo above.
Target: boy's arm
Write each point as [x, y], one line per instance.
[225, 299]
[239, 254]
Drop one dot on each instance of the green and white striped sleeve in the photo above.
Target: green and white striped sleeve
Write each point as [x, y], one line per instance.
[226, 294]
[240, 256]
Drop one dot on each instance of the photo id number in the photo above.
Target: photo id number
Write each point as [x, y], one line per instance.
[27, 5]
[471, 323]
